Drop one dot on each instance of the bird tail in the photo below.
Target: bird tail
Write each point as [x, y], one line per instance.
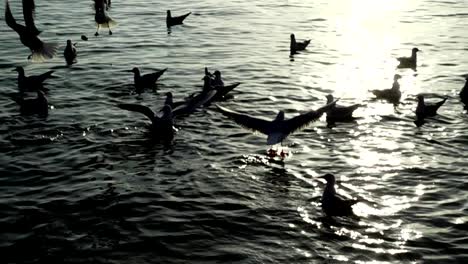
[439, 104]
[47, 51]
[111, 23]
[327, 107]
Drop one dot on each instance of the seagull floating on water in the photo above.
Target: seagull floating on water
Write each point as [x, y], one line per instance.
[338, 113]
[33, 82]
[392, 95]
[409, 62]
[38, 105]
[279, 128]
[424, 110]
[464, 94]
[145, 81]
[178, 20]
[101, 17]
[295, 46]
[332, 204]
[28, 34]
[161, 127]
[217, 84]
[70, 53]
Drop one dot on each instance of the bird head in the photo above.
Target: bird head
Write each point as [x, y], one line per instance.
[420, 98]
[292, 36]
[280, 116]
[69, 42]
[217, 73]
[329, 98]
[135, 70]
[169, 94]
[19, 69]
[414, 50]
[168, 13]
[396, 77]
[330, 178]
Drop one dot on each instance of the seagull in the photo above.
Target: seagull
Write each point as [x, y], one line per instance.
[33, 82]
[145, 81]
[161, 127]
[295, 46]
[70, 53]
[393, 94]
[332, 204]
[279, 128]
[101, 17]
[38, 105]
[28, 34]
[409, 62]
[172, 21]
[338, 112]
[464, 94]
[424, 110]
[217, 81]
[217, 84]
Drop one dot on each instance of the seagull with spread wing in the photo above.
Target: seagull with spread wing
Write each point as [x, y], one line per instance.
[28, 34]
[279, 128]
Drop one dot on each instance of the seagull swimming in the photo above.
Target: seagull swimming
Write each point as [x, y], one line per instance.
[33, 82]
[295, 46]
[161, 127]
[217, 84]
[178, 20]
[38, 105]
[339, 113]
[145, 81]
[28, 34]
[70, 53]
[464, 94]
[424, 110]
[279, 128]
[409, 62]
[332, 204]
[392, 95]
[102, 19]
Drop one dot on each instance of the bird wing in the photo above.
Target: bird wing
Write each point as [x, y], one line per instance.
[140, 109]
[10, 20]
[41, 78]
[155, 76]
[223, 90]
[182, 17]
[247, 121]
[304, 119]
[28, 13]
[193, 103]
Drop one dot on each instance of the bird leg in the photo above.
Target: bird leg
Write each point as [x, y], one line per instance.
[97, 31]
[110, 32]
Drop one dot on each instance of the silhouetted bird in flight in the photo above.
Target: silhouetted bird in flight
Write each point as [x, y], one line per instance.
[392, 95]
[339, 113]
[161, 127]
[409, 62]
[332, 204]
[145, 81]
[424, 110]
[101, 17]
[295, 46]
[28, 34]
[279, 128]
[464, 93]
[178, 20]
[35, 106]
[70, 53]
[33, 82]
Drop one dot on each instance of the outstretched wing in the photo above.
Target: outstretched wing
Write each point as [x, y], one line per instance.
[10, 20]
[193, 103]
[304, 119]
[247, 121]
[140, 109]
[28, 13]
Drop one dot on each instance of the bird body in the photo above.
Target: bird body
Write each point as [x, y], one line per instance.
[38, 105]
[70, 53]
[338, 112]
[409, 62]
[424, 110]
[393, 94]
[145, 81]
[464, 93]
[33, 82]
[177, 20]
[295, 46]
[279, 128]
[332, 204]
[28, 34]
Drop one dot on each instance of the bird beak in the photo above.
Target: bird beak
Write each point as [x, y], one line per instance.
[14, 70]
[127, 71]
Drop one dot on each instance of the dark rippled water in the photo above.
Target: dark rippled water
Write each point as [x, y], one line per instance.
[85, 185]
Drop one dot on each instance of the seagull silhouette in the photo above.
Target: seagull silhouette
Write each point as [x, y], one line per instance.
[33, 82]
[409, 62]
[184, 108]
[339, 113]
[332, 204]
[295, 46]
[28, 34]
[70, 53]
[145, 81]
[392, 95]
[424, 110]
[178, 20]
[279, 128]
[464, 93]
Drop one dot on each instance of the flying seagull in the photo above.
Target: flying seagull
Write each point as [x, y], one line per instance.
[279, 128]
[28, 34]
